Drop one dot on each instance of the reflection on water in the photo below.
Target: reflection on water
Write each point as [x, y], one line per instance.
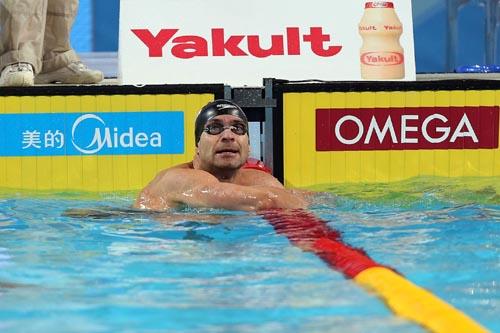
[430, 192]
[72, 263]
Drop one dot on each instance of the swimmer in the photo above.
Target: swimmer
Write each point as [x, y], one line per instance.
[215, 178]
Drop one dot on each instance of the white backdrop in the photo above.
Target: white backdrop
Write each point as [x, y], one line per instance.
[337, 18]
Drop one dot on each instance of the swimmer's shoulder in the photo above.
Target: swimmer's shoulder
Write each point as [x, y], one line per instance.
[188, 165]
[252, 177]
[173, 171]
[183, 173]
[176, 169]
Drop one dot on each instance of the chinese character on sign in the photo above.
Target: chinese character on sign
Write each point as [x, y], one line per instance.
[54, 140]
[31, 139]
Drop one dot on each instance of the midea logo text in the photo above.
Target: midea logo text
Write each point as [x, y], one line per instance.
[112, 138]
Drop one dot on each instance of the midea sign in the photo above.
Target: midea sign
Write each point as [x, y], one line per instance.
[100, 133]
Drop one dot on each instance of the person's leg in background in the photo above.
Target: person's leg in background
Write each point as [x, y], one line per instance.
[22, 26]
[60, 61]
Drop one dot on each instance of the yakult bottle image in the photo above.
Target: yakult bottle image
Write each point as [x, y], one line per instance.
[381, 55]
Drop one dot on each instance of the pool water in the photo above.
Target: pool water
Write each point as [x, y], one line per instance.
[72, 262]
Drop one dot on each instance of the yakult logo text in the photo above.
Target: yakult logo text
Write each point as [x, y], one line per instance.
[221, 44]
[407, 128]
[382, 58]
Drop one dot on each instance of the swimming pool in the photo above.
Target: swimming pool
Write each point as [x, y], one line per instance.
[221, 271]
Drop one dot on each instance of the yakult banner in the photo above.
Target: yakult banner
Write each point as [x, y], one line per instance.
[241, 42]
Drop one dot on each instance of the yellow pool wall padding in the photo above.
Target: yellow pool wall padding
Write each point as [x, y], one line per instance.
[96, 173]
[415, 303]
[305, 167]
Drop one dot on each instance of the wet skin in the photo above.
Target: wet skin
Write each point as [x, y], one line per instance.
[224, 154]
[215, 178]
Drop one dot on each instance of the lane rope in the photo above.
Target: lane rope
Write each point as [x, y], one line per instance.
[403, 297]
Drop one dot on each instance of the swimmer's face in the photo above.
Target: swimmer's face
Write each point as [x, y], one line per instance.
[226, 150]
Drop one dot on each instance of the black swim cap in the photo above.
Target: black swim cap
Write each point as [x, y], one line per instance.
[213, 109]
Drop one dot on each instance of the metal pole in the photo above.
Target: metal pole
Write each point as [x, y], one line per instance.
[268, 130]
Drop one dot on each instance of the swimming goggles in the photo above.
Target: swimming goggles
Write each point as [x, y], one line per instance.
[215, 129]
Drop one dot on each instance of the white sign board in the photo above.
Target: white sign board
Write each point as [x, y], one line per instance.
[239, 42]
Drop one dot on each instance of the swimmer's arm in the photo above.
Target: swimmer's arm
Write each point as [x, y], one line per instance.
[263, 180]
[198, 188]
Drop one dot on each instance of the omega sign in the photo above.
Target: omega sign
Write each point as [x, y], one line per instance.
[407, 128]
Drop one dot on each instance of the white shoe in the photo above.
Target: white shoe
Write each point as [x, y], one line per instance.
[17, 75]
[74, 73]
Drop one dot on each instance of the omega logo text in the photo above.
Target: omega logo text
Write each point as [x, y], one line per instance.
[407, 128]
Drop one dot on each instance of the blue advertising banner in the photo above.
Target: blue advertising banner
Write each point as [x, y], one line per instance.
[110, 133]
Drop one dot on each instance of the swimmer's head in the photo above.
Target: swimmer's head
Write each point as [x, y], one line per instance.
[213, 109]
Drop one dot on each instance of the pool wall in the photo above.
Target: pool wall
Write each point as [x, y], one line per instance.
[116, 138]
[340, 133]
[48, 135]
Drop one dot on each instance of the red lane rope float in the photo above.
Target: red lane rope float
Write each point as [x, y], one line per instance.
[406, 299]
[312, 234]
